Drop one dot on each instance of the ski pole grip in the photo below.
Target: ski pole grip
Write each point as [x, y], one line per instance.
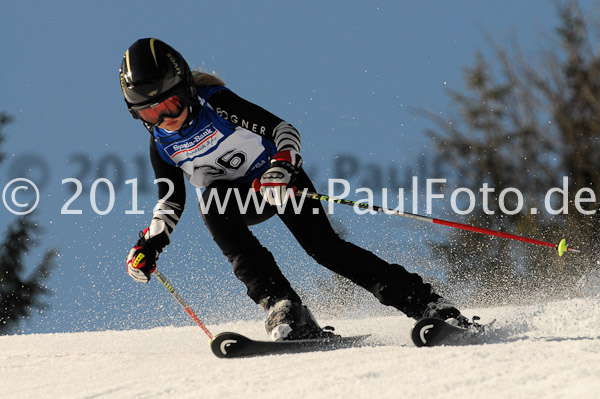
[256, 186]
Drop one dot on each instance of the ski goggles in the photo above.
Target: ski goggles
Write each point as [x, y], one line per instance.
[155, 114]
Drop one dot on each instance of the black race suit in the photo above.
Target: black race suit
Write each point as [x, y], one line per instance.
[252, 263]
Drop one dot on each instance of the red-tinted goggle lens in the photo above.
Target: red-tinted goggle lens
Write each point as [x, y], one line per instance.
[172, 107]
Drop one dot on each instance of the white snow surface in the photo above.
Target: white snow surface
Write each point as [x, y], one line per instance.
[546, 351]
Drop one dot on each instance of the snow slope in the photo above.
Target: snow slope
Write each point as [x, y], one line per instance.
[541, 351]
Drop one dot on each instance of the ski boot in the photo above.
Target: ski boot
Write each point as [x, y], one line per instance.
[288, 320]
[444, 309]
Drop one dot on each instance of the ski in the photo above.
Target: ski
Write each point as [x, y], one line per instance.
[431, 331]
[233, 345]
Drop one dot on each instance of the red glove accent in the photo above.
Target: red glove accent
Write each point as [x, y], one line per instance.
[289, 158]
[141, 260]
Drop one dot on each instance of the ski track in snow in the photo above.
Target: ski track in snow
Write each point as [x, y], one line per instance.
[539, 351]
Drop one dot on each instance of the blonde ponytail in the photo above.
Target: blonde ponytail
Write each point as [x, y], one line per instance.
[206, 79]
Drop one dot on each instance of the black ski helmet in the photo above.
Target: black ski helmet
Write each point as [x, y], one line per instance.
[152, 71]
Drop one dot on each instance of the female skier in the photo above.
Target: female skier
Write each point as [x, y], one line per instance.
[202, 131]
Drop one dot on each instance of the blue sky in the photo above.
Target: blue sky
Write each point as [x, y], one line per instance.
[346, 74]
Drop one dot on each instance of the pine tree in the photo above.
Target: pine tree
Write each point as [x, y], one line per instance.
[20, 294]
[526, 126]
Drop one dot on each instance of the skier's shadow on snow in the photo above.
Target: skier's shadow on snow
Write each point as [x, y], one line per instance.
[561, 339]
[502, 337]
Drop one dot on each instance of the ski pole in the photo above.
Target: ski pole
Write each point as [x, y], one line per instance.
[562, 246]
[180, 300]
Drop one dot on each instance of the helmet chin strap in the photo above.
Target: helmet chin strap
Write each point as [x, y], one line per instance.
[190, 116]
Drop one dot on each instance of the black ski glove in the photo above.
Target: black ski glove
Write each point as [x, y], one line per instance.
[141, 260]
